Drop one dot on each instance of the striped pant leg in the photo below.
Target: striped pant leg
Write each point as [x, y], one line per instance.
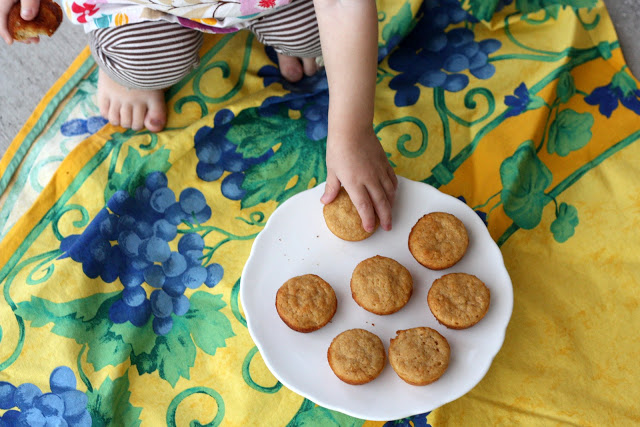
[291, 30]
[146, 55]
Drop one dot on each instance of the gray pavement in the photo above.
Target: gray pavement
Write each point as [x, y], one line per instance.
[28, 71]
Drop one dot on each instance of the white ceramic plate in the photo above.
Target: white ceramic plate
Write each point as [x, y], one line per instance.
[296, 241]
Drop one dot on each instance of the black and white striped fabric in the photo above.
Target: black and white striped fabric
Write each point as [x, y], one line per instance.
[146, 55]
[157, 54]
[292, 30]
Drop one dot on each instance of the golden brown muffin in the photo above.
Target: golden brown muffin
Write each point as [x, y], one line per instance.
[356, 356]
[458, 300]
[438, 240]
[419, 355]
[306, 303]
[45, 23]
[343, 218]
[381, 285]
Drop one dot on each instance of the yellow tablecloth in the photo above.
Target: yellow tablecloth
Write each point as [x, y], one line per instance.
[525, 109]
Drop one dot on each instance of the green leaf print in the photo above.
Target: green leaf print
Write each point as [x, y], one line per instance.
[564, 226]
[400, 24]
[87, 321]
[296, 159]
[483, 9]
[135, 169]
[524, 178]
[570, 131]
[110, 405]
[209, 327]
[172, 355]
[566, 87]
[311, 415]
[623, 81]
[529, 6]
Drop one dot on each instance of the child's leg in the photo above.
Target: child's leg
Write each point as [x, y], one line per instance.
[137, 62]
[293, 32]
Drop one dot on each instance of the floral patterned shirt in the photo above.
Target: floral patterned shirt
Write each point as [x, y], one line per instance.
[214, 16]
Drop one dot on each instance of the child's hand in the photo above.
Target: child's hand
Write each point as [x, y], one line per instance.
[28, 10]
[360, 165]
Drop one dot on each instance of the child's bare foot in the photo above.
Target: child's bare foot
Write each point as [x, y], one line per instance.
[293, 69]
[131, 108]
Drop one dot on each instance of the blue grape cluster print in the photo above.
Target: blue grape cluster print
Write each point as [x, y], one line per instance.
[309, 96]
[27, 405]
[216, 154]
[130, 239]
[433, 56]
[77, 127]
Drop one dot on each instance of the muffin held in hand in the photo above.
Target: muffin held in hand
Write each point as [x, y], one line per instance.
[438, 240]
[356, 356]
[458, 300]
[381, 285]
[419, 355]
[45, 23]
[306, 303]
[343, 218]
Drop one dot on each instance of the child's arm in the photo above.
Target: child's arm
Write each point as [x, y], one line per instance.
[355, 158]
[28, 11]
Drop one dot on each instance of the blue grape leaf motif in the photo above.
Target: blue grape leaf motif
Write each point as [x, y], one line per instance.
[297, 157]
[87, 321]
[135, 169]
[395, 30]
[216, 154]
[622, 89]
[434, 56]
[521, 101]
[141, 228]
[524, 178]
[76, 127]
[27, 405]
[570, 131]
[564, 226]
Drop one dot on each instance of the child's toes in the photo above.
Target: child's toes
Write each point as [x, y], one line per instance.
[126, 116]
[290, 67]
[114, 113]
[310, 66]
[139, 113]
[156, 117]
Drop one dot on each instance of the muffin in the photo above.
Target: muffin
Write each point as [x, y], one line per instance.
[458, 300]
[438, 240]
[419, 355]
[381, 285]
[306, 303]
[356, 356]
[343, 219]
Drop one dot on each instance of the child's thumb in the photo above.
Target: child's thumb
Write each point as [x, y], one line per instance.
[29, 9]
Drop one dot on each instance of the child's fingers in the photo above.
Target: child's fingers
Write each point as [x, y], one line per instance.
[5, 7]
[360, 198]
[382, 206]
[390, 188]
[331, 189]
[29, 9]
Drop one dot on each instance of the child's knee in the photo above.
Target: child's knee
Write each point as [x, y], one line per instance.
[146, 55]
[291, 30]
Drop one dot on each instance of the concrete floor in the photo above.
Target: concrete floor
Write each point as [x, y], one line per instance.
[28, 71]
